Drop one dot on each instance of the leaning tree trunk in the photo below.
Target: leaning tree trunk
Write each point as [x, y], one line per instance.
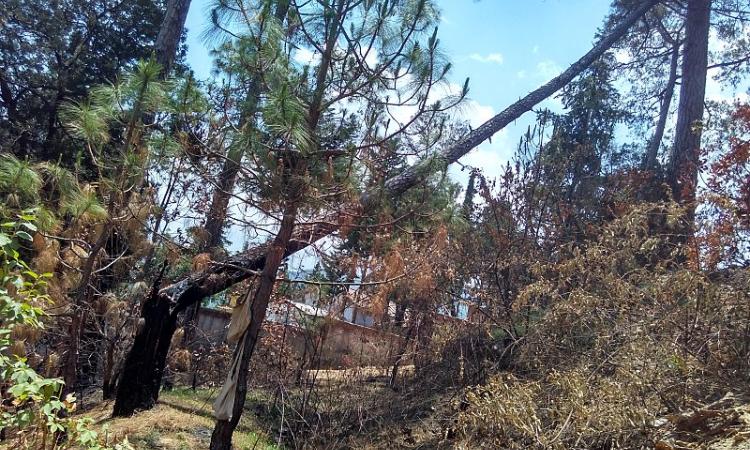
[142, 372]
[650, 162]
[221, 438]
[682, 173]
[160, 313]
[223, 274]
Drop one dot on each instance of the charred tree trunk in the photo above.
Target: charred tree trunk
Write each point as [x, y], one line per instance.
[682, 173]
[233, 270]
[141, 373]
[171, 300]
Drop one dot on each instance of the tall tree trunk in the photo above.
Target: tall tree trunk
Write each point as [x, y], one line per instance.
[217, 213]
[235, 269]
[221, 438]
[141, 374]
[170, 33]
[214, 226]
[682, 173]
[109, 378]
[652, 151]
[216, 217]
[73, 352]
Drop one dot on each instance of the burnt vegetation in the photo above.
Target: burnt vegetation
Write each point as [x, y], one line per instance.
[284, 255]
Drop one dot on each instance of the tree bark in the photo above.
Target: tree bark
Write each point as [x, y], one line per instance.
[170, 33]
[652, 151]
[141, 373]
[221, 438]
[109, 379]
[417, 172]
[682, 173]
[221, 275]
[78, 320]
[214, 226]
[217, 214]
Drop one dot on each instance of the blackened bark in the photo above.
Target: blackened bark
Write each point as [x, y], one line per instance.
[682, 173]
[221, 275]
[141, 377]
[143, 368]
[170, 33]
[160, 316]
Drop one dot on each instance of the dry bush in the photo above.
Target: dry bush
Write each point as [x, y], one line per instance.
[624, 334]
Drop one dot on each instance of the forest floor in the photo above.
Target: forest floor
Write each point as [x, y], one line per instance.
[371, 415]
[182, 420]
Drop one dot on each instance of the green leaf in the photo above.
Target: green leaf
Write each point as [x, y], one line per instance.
[29, 226]
[24, 235]
[4, 240]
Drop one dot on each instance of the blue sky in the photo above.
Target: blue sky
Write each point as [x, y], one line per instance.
[506, 47]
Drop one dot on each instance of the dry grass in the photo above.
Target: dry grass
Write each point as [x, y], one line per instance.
[355, 374]
[182, 420]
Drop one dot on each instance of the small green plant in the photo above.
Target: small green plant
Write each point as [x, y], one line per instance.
[32, 413]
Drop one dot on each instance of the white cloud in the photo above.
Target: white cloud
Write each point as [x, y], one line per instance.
[487, 158]
[496, 58]
[476, 113]
[372, 57]
[535, 50]
[521, 74]
[490, 157]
